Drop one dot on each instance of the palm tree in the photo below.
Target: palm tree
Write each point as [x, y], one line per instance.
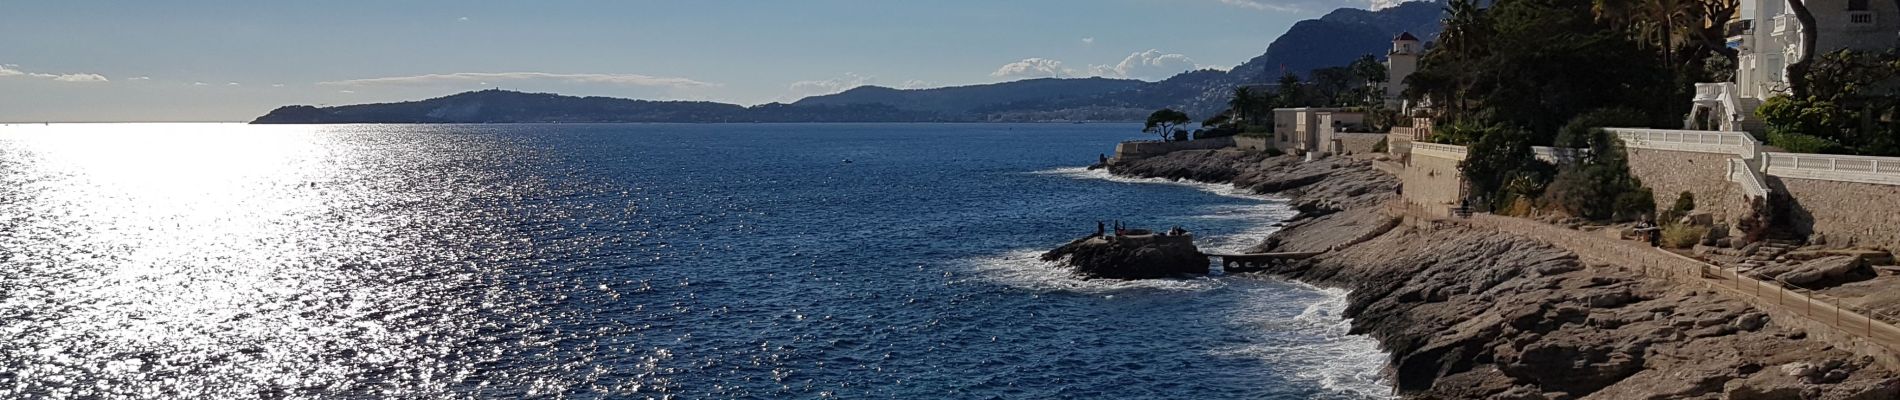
[1657, 22]
[1242, 104]
[1465, 33]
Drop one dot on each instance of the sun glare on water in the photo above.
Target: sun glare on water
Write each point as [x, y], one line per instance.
[234, 260]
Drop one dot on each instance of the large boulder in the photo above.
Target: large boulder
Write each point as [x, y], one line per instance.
[1828, 272]
[1142, 256]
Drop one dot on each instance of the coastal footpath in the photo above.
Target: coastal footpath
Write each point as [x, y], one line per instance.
[1467, 311]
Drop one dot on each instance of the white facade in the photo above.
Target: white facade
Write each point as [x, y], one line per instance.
[1400, 62]
[1773, 40]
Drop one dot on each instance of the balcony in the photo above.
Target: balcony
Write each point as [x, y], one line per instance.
[1786, 24]
[1713, 91]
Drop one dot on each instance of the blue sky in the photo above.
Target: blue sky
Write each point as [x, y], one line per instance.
[214, 60]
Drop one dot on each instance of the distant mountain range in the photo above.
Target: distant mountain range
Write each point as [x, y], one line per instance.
[1335, 39]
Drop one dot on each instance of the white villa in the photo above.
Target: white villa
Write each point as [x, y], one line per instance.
[1770, 38]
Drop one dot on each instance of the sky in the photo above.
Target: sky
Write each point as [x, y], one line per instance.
[219, 60]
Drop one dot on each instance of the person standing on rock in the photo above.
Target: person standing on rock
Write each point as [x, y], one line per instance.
[1100, 228]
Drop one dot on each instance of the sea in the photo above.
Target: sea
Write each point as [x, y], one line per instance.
[682, 261]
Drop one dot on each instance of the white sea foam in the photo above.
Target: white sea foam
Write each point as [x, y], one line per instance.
[1025, 269]
[1313, 345]
[1215, 188]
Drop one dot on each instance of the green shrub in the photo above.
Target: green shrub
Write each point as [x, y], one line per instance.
[1633, 205]
[1577, 132]
[1500, 167]
[1380, 147]
[1685, 203]
[1799, 143]
[1682, 236]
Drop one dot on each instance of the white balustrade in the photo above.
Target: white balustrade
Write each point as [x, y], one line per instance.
[1863, 169]
[1724, 142]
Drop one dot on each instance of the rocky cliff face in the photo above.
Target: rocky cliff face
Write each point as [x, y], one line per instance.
[1476, 314]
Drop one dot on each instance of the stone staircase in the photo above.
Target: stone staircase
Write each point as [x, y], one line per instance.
[1749, 122]
[1766, 252]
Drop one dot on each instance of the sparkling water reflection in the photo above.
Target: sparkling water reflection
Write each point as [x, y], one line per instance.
[233, 261]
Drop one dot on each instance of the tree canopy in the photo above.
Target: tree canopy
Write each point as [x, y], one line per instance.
[1166, 122]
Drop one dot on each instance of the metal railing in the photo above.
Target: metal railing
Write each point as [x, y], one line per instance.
[1724, 142]
[1751, 182]
[1862, 169]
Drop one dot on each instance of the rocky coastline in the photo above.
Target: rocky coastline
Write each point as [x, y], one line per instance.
[1468, 313]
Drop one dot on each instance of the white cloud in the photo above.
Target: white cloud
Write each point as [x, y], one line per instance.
[11, 70]
[140, 78]
[486, 77]
[463, 19]
[1150, 65]
[277, 85]
[81, 78]
[1088, 40]
[197, 83]
[915, 84]
[230, 83]
[1034, 67]
[346, 91]
[1310, 5]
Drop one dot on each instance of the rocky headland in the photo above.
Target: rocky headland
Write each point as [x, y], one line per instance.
[1138, 256]
[1470, 313]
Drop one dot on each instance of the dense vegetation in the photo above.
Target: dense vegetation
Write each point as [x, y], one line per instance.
[1523, 73]
[1852, 106]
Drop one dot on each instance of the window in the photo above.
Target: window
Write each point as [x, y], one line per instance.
[1858, 5]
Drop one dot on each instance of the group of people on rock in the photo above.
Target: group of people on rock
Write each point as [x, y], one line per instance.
[1101, 229]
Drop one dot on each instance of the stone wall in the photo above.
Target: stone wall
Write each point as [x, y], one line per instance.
[1255, 143]
[1357, 143]
[1862, 214]
[1669, 173]
[1145, 149]
[1432, 182]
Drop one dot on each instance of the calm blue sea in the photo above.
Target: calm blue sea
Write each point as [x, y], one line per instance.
[626, 261]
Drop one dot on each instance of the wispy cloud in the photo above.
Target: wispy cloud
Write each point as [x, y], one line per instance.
[850, 80]
[11, 70]
[140, 78]
[487, 77]
[1311, 5]
[1088, 40]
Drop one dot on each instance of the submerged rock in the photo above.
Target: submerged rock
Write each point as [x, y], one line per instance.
[1134, 256]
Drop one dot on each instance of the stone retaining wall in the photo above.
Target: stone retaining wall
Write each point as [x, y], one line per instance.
[1669, 173]
[1862, 214]
[1145, 149]
[1431, 181]
[1255, 143]
[1357, 143]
